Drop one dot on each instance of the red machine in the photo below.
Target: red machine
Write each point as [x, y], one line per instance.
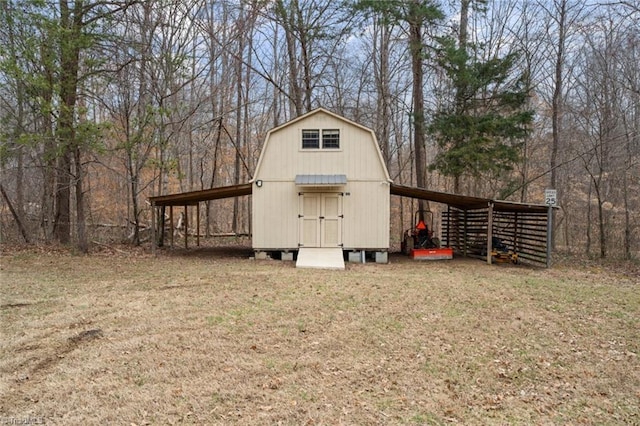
[419, 242]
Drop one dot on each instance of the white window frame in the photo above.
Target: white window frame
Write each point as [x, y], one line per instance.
[332, 137]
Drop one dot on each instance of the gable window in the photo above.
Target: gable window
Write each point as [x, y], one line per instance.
[310, 139]
[331, 139]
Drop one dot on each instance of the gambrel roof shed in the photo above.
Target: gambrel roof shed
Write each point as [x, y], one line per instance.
[320, 181]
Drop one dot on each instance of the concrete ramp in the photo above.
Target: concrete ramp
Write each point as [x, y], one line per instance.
[320, 258]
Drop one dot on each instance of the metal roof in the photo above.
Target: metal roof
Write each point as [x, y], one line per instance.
[321, 180]
[459, 201]
[465, 202]
[194, 197]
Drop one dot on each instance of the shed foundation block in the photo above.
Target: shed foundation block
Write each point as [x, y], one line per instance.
[262, 255]
[355, 257]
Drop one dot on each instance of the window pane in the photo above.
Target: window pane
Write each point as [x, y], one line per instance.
[331, 139]
[310, 139]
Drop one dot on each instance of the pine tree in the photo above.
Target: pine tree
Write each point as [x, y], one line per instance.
[479, 130]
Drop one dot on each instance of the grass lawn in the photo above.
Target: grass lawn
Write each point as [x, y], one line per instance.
[212, 337]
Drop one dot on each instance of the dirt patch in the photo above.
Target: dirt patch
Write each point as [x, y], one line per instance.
[202, 338]
[86, 336]
[59, 352]
[14, 305]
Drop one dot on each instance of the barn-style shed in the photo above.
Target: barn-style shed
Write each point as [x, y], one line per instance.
[321, 190]
[321, 182]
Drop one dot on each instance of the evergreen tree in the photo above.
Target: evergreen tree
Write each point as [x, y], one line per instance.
[479, 130]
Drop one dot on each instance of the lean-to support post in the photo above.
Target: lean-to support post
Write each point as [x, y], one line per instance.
[163, 212]
[448, 225]
[549, 234]
[489, 233]
[171, 223]
[464, 235]
[186, 227]
[515, 231]
[153, 228]
[198, 224]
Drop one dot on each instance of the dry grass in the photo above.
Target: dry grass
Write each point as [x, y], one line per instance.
[206, 338]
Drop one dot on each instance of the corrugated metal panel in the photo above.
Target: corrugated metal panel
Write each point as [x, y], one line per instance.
[464, 202]
[194, 197]
[321, 180]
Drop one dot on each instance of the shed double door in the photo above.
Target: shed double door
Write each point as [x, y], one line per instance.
[321, 220]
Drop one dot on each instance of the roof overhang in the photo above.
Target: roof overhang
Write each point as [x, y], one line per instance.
[464, 202]
[194, 197]
[321, 180]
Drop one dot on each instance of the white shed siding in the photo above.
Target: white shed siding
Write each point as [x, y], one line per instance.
[366, 210]
[365, 203]
[275, 216]
[283, 156]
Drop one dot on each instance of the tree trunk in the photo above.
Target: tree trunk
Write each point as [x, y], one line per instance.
[295, 92]
[239, 98]
[305, 57]
[381, 73]
[48, 218]
[556, 103]
[556, 108]
[603, 230]
[416, 48]
[627, 217]
[463, 40]
[83, 244]
[71, 25]
[588, 220]
[15, 215]
[62, 201]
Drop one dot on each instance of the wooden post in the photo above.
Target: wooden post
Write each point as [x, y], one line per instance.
[171, 223]
[198, 224]
[163, 212]
[153, 228]
[464, 235]
[489, 233]
[186, 227]
[448, 225]
[549, 234]
[515, 232]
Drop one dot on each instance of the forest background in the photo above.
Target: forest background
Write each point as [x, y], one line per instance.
[105, 103]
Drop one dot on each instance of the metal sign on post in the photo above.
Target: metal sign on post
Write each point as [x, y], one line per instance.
[550, 199]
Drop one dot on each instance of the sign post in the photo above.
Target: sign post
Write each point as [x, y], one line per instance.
[550, 199]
